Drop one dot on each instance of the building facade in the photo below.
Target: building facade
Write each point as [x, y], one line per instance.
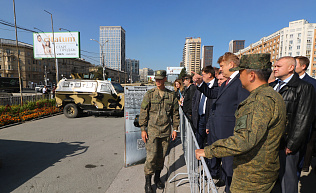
[115, 75]
[144, 73]
[298, 39]
[34, 71]
[113, 39]
[131, 67]
[207, 56]
[236, 45]
[192, 54]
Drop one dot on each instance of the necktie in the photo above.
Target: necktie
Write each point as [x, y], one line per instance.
[227, 81]
[201, 105]
[279, 86]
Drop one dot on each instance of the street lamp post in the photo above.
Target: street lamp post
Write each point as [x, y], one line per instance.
[17, 48]
[56, 60]
[102, 55]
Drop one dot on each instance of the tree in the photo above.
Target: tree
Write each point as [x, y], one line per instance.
[183, 73]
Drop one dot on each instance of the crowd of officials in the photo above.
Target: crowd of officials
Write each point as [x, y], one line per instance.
[253, 121]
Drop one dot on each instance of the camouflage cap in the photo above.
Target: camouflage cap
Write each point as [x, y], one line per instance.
[160, 74]
[253, 61]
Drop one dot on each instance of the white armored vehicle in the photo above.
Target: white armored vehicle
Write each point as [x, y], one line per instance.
[96, 96]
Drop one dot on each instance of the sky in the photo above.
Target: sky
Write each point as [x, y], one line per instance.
[156, 29]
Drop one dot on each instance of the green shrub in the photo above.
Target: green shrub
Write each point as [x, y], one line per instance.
[28, 106]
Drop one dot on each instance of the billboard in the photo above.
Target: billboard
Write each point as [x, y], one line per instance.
[174, 70]
[67, 45]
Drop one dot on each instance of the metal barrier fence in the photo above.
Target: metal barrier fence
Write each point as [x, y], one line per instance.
[16, 100]
[196, 170]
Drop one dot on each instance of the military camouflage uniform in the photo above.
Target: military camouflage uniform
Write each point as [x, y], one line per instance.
[157, 114]
[260, 122]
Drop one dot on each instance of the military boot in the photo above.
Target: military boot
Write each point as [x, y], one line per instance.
[157, 180]
[148, 188]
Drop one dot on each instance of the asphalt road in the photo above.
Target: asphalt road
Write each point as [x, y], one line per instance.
[58, 154]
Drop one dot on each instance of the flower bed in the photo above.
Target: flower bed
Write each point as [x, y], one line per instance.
[31, 110]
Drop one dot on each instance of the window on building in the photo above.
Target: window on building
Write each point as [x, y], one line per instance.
[291, 36]
[314, 59]
[299, 35]
[9, 67]
[310, 33]
[0, 75]
[0, 59]
[298, 47]
[290, 53]
[298, 53]
[309, 46]
[298, 41]
[0, 66]
[290, 47]
[291, 42]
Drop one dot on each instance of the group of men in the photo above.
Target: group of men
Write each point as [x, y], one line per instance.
[257, 133]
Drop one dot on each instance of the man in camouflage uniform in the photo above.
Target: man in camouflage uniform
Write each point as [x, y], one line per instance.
[158, 111]
[260, 122]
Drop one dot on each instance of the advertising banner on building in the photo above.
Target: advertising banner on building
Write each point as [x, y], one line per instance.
[67, 45]
[174, 70]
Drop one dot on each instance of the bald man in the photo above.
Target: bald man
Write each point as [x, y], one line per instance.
[299, 99]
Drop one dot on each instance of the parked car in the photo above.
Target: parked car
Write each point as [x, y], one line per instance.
[39, 88]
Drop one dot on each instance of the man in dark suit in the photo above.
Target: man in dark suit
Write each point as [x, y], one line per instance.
[187, 96]
[302, 64]
[222, 118]
[201, 105]
[200, 113]
[299, 98]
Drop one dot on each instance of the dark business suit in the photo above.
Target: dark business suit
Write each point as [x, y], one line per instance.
[187, 100]
[309, 148]
[199, 121]
[222, 118]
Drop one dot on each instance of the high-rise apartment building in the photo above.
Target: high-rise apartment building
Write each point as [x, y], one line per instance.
[207, 56]
[191, 54]
[298, 39]
[131, 67]
[114, 49]
[236, 45]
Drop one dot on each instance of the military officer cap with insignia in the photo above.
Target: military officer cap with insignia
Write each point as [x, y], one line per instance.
[253, 61]
[160, 74]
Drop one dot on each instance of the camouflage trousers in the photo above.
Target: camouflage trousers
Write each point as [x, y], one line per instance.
[156, 151]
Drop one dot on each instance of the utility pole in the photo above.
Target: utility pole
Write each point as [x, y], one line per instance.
[17, 48]
[102, 56]
[56, 60]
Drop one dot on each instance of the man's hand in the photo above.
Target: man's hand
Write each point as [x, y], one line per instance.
[144, 136]
[198, 79]
[207, 131]
[174, 135]
[199, 153]
[287, 151]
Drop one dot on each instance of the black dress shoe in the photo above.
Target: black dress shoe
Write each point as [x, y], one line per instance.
[220, 183]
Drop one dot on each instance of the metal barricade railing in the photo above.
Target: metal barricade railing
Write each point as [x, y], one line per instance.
[16, 100]
[196, 170]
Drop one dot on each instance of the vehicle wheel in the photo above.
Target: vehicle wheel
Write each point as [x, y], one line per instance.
[71, 110]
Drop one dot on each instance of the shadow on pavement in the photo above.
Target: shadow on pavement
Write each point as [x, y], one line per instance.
[22, 160]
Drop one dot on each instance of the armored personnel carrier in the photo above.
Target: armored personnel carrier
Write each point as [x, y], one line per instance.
[96, 96]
